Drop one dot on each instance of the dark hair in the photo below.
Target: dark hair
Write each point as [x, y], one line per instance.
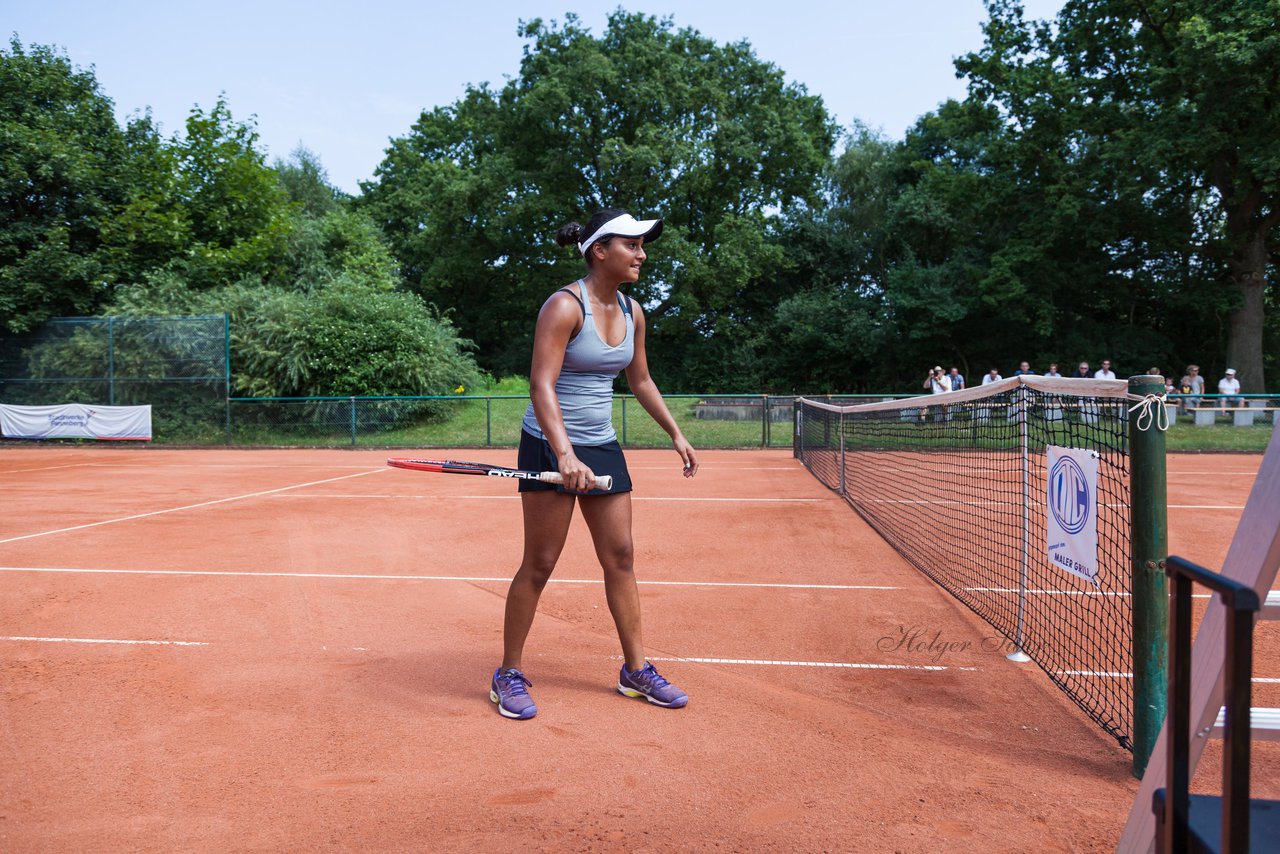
[573, 233]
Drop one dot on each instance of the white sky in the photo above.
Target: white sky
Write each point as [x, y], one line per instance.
[342, 78]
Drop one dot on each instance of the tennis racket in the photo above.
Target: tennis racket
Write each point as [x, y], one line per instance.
[602, 481]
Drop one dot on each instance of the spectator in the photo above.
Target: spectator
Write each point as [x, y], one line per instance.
[1191, 384]
[1053, 370]
[1023, 368]
[1229, 388]
[1082, 372]
[993, 376]
[1154, 372]
[937, 382]
[957, 379]
[1105, 373]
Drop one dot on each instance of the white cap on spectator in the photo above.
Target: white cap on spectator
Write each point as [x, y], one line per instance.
[1231, 371]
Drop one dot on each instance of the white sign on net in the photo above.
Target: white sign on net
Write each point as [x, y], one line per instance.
[75, 421]
[1071, 511]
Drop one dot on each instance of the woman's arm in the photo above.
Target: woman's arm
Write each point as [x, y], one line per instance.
[558, 321]
[646, 391]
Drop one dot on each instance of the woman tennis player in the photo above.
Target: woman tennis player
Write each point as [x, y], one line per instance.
[586, 334]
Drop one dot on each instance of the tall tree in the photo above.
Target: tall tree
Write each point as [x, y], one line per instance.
[1177, 104]
[61, 177]
[659, 120]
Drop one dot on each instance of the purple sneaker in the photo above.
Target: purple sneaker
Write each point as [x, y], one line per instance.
[509, 692]
[646, 683]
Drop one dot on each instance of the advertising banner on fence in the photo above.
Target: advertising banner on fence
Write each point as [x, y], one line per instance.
[1072, 511]
[75, 421]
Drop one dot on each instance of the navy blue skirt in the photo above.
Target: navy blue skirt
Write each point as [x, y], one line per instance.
[536, 455]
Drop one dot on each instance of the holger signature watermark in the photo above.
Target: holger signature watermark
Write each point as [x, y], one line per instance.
[921, 641]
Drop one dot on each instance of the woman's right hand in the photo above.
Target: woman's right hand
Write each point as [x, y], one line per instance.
[577, 476]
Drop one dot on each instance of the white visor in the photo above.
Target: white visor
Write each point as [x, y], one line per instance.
[624, 226]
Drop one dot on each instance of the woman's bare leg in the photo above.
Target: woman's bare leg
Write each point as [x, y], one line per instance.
[546, 525]
[609, 519]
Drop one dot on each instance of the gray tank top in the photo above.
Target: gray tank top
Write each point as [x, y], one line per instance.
[585, 385]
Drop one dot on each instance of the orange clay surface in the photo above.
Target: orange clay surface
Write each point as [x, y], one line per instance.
[290, 650]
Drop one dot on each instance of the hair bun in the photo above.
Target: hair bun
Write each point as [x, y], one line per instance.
[569, 235]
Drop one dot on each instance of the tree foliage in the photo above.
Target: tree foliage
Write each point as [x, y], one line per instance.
[658, 120]
[1167, 115]
[99, 218]
[61, 178]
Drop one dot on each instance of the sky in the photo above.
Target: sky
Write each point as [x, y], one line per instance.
[343, 78]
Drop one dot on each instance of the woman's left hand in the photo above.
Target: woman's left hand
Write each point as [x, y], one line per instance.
[688, 454]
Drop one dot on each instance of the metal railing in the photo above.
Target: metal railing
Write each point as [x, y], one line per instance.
[708, 420]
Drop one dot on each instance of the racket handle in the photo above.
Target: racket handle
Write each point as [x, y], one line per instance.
[602, 481]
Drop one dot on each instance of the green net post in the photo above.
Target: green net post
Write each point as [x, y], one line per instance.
[1150, 587]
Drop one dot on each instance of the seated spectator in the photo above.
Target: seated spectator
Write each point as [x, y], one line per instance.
[957, 379]
[993, 376]
[1105, 372]
[1053, 370]
[1023, 368]
[1082, 372]
[1229, 388]
[1191, 384]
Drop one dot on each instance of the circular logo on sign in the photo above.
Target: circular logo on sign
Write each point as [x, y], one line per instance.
[1069, 498]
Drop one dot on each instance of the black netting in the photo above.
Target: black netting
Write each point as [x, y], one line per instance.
[959, 490]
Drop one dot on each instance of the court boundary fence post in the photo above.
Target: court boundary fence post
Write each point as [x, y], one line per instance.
[226, 368]
[111, 360]
[1149, 534]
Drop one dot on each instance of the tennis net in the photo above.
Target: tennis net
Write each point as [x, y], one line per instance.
[957, 484]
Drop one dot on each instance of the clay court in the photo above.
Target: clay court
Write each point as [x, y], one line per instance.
[224, 650]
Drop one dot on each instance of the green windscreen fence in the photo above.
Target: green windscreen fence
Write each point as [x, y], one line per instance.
[177, 365]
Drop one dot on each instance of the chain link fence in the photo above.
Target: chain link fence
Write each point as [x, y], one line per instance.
[463, 421]
[178, 365]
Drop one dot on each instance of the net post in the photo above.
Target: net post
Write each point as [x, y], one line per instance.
[797, 435]
[840, 426]
[1149, 535]
[1018, 654]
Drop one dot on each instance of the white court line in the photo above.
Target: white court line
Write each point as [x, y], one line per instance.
[103, 640]
[1045, 592]
[837, 664]
[46, 468]
[1210, 474]
[764, 662]
[1066, 592]
[464, 578]
[229, 465]
[186, 507]
[1118, 675]
[1206, 506]
[446, 497]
